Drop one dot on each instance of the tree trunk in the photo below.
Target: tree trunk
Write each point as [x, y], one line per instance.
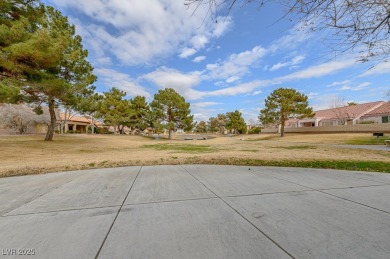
[53, 120]
[282, 128]
[169, 123]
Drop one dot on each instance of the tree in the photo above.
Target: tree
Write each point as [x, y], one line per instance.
[172, 110]
[221, 122]
[352, 23]
[338, 105]
[43, 59]
[152, 121]
[283, 104]
[20, 119]
[236, 122]
[387, 95]
[139, 108]
[90, 107]
[67, 114]
[212, 125]
[114, 109]
[201, 127]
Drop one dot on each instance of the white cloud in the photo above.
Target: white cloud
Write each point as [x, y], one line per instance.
[182, 82]
[204, 104]
[111, 78]
[202, 110]
[383, 68]
[358, 87]
[141, 32]
[201, 117]
[186, 52]
[232, 79]
[319, 70]
[257, 92]
[296, 60]
[199, 41]
[312, 95]
[292, 39]
[337, 83]
[199, 59]
[325, 102]
[236, 65]
[238, 89]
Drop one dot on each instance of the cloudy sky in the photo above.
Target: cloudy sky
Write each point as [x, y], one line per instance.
[218, 64]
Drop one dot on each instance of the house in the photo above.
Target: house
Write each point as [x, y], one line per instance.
[347, 115]
[378, 115]
[73, 123]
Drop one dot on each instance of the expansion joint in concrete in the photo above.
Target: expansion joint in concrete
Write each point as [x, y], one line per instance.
[117, 214]
[242, 216]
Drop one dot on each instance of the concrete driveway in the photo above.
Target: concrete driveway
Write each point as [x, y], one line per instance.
[196, 211]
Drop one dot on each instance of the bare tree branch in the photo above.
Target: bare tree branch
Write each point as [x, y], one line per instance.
[362, 25]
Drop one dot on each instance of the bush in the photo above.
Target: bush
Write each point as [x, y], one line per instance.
[73, 131]
[255, 130]
[20, 119]
[103, 131]
[366, 122]
[89, 131]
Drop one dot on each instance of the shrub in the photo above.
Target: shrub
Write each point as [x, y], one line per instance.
[255, 130]
[20, 119]
[366, 122]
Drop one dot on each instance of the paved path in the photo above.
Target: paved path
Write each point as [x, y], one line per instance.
[196, 211]
[370, 147]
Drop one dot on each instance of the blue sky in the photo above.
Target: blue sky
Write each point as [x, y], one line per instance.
[219, 65]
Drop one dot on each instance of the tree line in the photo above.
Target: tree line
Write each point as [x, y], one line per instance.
[232, 122]
[43, 64]
[168, 110]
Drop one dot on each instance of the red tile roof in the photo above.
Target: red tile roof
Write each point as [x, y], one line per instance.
[384, 109]
[351, 112]
[73, 118]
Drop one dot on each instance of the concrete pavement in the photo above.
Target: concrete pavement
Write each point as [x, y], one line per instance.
[196, 211]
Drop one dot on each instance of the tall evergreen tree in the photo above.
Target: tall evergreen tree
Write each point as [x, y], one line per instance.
[42, 58]
[172, 109]
[139, 108]
[283, 104]
[90, 107]
[212, 125]
[235, 122]
[114, 109]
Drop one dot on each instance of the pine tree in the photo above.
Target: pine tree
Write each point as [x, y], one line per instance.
[42, 58]
[172, 109]
[283, 104]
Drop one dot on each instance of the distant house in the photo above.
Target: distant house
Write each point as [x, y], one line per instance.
[378, 115]
[75, 124]
[348, 115]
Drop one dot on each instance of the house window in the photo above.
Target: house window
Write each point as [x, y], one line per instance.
[385, 119]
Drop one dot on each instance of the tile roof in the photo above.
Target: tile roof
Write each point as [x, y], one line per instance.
[351, 112]
[384, 109]
[73, 118]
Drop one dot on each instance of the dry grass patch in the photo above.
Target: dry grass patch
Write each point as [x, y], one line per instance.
[31, 155]
[331, 138]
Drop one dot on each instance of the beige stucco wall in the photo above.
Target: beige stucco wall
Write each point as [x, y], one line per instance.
[385, 127]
